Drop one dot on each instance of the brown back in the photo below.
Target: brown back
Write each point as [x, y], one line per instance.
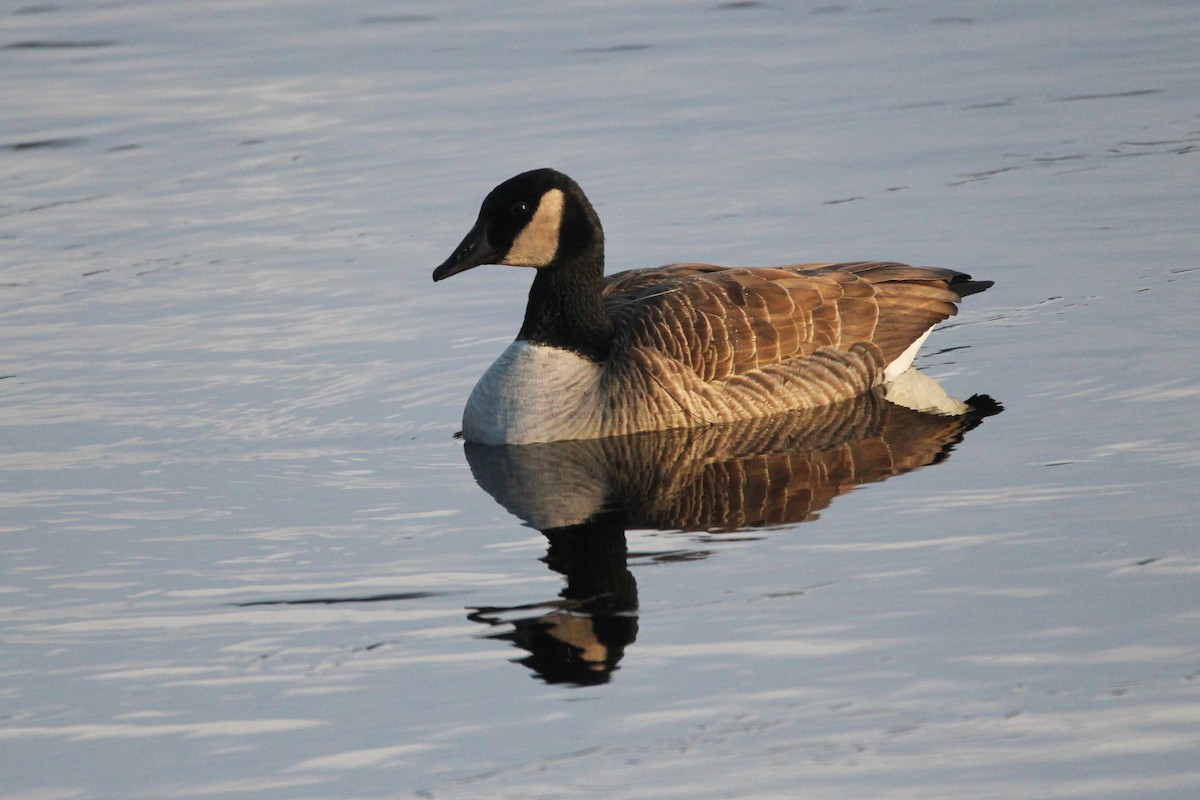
[722, 322]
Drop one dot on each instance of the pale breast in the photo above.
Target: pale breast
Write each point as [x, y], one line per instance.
[534, 393]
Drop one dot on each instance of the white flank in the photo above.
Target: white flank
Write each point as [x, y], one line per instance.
[534, 393]
[906, 386]
[905, 360]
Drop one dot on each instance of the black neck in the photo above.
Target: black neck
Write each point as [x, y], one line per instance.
[565, 309]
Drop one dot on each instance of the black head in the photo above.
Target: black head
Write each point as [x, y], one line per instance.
[537, 219]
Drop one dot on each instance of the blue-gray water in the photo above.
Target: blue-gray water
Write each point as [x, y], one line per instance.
[243, 555]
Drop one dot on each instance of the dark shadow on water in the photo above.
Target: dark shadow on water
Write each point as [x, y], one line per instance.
[329, 601]
[59, 44]
[44, 144]
[718, 481]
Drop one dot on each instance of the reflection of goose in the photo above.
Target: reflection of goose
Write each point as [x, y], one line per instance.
[584, 494]
[765, 471]
[687, 344]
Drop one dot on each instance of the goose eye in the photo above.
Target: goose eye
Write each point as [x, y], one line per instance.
[519, 208]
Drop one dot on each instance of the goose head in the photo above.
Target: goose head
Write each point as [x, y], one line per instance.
[537, 219]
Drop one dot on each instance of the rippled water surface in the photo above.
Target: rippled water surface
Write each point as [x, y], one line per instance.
[244, 556]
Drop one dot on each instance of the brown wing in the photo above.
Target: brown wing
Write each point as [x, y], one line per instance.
[723, 322]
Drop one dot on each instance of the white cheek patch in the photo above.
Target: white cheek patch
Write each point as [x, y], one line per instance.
[538, 242]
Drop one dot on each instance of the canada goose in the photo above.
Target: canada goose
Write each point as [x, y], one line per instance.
[685, 344]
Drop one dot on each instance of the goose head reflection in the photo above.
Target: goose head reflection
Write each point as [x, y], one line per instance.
[583, 496]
